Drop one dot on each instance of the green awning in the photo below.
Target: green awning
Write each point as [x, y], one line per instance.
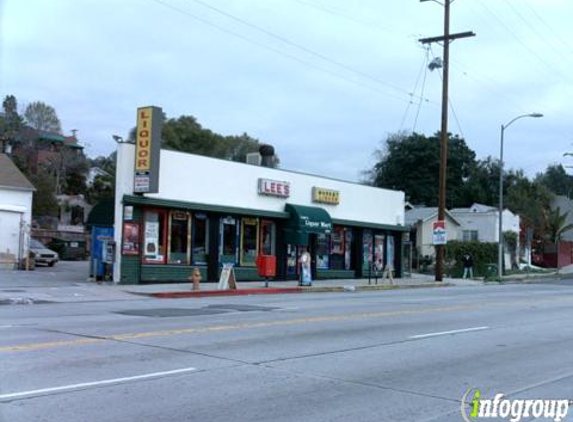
[48, 136]
[304, 220]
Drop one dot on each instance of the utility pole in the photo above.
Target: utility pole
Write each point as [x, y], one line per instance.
[446, 39]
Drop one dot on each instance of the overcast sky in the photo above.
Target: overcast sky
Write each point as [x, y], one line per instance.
[325, 82]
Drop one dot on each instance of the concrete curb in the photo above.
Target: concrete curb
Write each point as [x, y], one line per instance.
[531, 279]
[285, 290]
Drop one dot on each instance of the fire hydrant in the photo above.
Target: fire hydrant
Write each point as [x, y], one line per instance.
[195, 278]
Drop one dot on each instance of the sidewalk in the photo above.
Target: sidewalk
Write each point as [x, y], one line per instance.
[279, 287]
[69, 284]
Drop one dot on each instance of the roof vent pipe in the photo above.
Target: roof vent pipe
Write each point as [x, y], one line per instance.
[267, 155]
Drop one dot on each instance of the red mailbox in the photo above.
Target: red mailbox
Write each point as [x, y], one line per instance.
[267, 265]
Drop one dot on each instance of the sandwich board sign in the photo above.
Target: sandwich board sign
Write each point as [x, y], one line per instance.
[227, 280]
[439, 232]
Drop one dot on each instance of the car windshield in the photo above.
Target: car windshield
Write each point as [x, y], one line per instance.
[36, 244]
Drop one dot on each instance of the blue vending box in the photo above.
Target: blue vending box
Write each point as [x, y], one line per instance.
[101, 264]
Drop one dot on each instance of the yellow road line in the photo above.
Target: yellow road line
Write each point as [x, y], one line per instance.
[266, 324]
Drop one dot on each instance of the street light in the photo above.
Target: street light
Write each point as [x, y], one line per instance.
[120, 140]
[500, 240]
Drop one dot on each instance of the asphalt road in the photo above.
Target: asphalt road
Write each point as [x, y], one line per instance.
[406, 355]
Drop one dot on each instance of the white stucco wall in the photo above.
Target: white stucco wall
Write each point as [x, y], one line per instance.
[15, 221]
[487, 223]
[198, 179]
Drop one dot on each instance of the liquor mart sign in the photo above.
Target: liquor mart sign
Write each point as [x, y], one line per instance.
[147, 149]
[274, 188]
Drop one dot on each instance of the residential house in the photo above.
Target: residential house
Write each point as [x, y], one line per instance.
[480, 223]
[16, 194]
[94, 172]
[421, 220]
[38, 148]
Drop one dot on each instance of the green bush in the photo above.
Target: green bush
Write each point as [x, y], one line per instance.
[482, 254]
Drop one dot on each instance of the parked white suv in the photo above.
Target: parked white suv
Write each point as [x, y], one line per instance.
[43, 255]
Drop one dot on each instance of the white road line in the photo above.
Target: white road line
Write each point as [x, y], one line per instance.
[22, 394]
[443, 333]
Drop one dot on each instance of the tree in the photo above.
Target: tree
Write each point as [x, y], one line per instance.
[557, 224]
[530, 200]
[411, 163]
[187, 135]
[45, 203]
[103, 186]
[10, 122]
[42, 116]
[482, 185]
[557, 180]
[75, 168]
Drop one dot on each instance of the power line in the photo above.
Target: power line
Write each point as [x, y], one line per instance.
[534, 30]
[299, 46]
[424, 64]
[552, 71]
[428, 49]
[276, 51]
[549, 27]
[338, 13]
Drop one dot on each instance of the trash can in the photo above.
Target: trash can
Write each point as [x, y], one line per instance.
[491, 272]
[267, 265]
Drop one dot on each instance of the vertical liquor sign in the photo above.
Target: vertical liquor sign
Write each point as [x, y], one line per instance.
[147, 149]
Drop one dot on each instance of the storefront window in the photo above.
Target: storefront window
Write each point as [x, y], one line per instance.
[390, 251]
[338, 243]
[249, 236]
[268, 238]
[154, 248]
[228, 241]
[379, 252]
[348, 249]
[322, 251]
[179, 238]
[200, 238]
[366, 250]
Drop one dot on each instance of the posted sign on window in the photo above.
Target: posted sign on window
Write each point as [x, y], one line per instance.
[439, 233]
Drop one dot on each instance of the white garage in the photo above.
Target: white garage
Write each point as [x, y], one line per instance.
[16, 193]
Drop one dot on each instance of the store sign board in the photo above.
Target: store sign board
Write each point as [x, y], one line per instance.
[276, 188]
[439, 232]
[309, 223]
[147, 149]
[325, 196]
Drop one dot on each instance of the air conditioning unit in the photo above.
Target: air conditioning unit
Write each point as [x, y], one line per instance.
[254, 158]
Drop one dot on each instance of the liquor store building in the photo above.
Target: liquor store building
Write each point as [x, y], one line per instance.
[209, 212]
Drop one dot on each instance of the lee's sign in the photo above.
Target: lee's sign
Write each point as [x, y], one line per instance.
[274, 188]
[147, 149]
